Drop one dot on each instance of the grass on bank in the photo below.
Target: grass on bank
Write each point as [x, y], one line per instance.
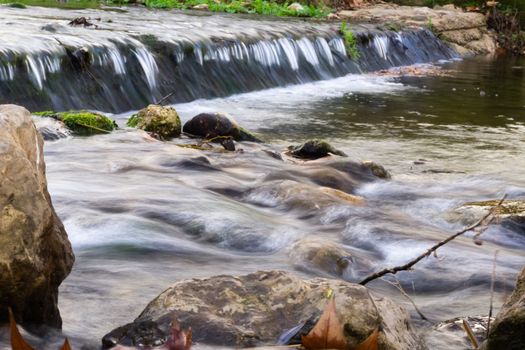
[262, 7]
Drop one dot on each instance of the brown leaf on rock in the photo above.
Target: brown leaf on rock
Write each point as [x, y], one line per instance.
[328, 332]
[17, 342]
[370, 343]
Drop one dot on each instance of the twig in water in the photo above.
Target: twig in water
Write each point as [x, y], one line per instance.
[408, 265]
[93, 127]
[492, 279]
[405, 294]
[470, 334]
[159, 102]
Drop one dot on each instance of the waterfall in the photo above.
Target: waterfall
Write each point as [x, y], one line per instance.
[129, 71]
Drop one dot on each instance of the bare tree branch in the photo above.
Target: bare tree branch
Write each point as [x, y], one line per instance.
[393, 270]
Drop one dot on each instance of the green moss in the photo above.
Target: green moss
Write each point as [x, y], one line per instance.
[87, 123]
[46, 114]
[350, 41]
[133, 121]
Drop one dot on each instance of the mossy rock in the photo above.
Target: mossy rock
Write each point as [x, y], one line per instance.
[314, 149]
[215, 125]
[163, 122]
[82, 122]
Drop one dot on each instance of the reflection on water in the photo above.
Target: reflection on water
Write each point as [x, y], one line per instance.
[143, 214]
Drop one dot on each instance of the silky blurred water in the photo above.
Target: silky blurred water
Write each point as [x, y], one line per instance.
[143, 214]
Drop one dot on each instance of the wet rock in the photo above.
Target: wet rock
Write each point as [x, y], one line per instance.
[254, 309]
[511, 214]
[320, 254]
[51, 129]
[162, 122]
[314, 149]
[80, 22]
[296, 195]
[141, 333]
[507, 331]
[377, 169]
[35, 253]
[212, 125]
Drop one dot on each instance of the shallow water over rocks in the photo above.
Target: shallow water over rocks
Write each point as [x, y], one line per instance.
[142, 214]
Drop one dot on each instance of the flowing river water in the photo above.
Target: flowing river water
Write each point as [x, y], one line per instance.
[142, 214]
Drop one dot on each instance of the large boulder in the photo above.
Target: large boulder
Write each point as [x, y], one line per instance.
[35, 253]
[213, 125]
[162, 122]
[255, 309]
[508, 330]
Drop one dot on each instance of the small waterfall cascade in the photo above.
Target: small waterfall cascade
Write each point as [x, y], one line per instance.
[119, 68]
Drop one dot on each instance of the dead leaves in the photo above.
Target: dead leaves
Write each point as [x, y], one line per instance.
[328, 333]
[18, 342]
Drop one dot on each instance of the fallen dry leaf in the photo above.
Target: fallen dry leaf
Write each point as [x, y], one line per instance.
[17, 342]
[328, 332]
[370, 343]
[66, 345]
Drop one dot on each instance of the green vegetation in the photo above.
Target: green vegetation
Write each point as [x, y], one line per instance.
[133, 121]
[262, 7]
[17, 5]
[350, 41]
[82, 122]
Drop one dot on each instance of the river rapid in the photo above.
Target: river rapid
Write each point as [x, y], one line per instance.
[142, 214]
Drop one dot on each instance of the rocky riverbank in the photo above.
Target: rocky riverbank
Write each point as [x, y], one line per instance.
[465, 32]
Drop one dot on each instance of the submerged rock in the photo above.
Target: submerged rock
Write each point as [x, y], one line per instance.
[320, 254]
[212, 125]
[83, 123]
[255, 309]
[314, 149]
[162, 122]
[508, 330]
[35, 253]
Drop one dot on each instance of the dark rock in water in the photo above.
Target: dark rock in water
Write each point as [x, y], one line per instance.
[228, 144]
[508, 330]
[365, 171]
[211, 125]
[142, 333]
[162, 122]
[314, 149]
[35, 253]
[254, 309]
[51, 129]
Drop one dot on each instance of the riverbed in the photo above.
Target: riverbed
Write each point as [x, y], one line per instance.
[141, 217]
